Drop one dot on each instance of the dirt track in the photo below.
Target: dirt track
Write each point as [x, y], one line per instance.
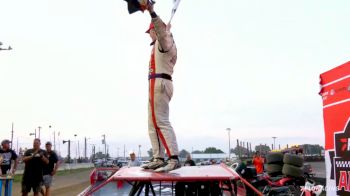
[70, 190]
[65, 185]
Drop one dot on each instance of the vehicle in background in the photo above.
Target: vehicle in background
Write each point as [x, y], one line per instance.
[121, 162]
[109, 163]
[308, 172]
[98, 162]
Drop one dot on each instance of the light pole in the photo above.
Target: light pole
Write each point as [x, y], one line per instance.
[17, 146]
[39, 131]
[92, 156]
[68, 156]
[229, 142]
[30, 134]
[274, 144]
[139, 155]
[85, 147]
[76, 149]
[54, 137]
[12, 136]
[59, 146]
[9, 48]
[104, 142]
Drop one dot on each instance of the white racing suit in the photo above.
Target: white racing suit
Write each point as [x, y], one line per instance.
[163, 59]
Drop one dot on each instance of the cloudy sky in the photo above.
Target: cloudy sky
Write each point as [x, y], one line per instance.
[81, 66]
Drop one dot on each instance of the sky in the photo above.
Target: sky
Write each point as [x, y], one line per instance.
[253, 66]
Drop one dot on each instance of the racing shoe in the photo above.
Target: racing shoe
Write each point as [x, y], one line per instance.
[154, 163]
[172, 164]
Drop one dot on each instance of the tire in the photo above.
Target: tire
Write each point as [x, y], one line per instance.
[293, 171]
[273, 168]
[292, 159]
[274, 157]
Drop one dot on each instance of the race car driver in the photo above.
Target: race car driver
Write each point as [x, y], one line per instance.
[163, 59]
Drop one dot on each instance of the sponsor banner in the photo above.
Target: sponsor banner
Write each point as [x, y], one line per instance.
[335, 92]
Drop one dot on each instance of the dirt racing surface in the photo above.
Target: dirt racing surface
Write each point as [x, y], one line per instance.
[64, 185]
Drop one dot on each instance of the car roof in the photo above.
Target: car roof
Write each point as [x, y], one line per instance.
[194, 173]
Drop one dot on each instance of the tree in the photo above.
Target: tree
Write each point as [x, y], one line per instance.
[197, 152]
[240, 151]
[150, 152]
[312, 149]
[183, 153]
[100, 155]
[263, 149]
[212, 150]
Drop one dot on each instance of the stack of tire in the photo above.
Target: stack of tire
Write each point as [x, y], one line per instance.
[293, 165]
[274, 162]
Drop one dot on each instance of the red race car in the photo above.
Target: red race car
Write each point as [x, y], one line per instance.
[195, 180]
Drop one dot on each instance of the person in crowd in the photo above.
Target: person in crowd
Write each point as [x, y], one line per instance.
[9, 158]
[35, 159]
[50, 169]
[189, 161]
[213, 162]
[133, 161]
[258, 162]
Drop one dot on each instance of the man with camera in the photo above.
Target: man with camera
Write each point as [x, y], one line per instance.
[35, 159]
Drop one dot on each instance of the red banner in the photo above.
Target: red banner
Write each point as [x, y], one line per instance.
[335, 92]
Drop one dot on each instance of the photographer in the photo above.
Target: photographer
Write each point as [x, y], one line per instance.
[35, 159]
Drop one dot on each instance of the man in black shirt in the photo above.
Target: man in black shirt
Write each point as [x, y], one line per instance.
[9, 162]
[49, 169]
[189, 161]
[35, 159]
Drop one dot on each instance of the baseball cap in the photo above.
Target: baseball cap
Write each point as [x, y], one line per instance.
[48, 143]
[151, 26]
[5, 141]
[131, 152]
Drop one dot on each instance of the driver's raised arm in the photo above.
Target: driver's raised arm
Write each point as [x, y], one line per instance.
[162, 30]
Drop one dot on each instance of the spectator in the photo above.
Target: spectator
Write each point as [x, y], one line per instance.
[258, 162]
[50, 169]
[9, 158]
[119, 165]
[240, 169]
[35, 159]
[133, 161]
[189, 161]
[213, 162]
